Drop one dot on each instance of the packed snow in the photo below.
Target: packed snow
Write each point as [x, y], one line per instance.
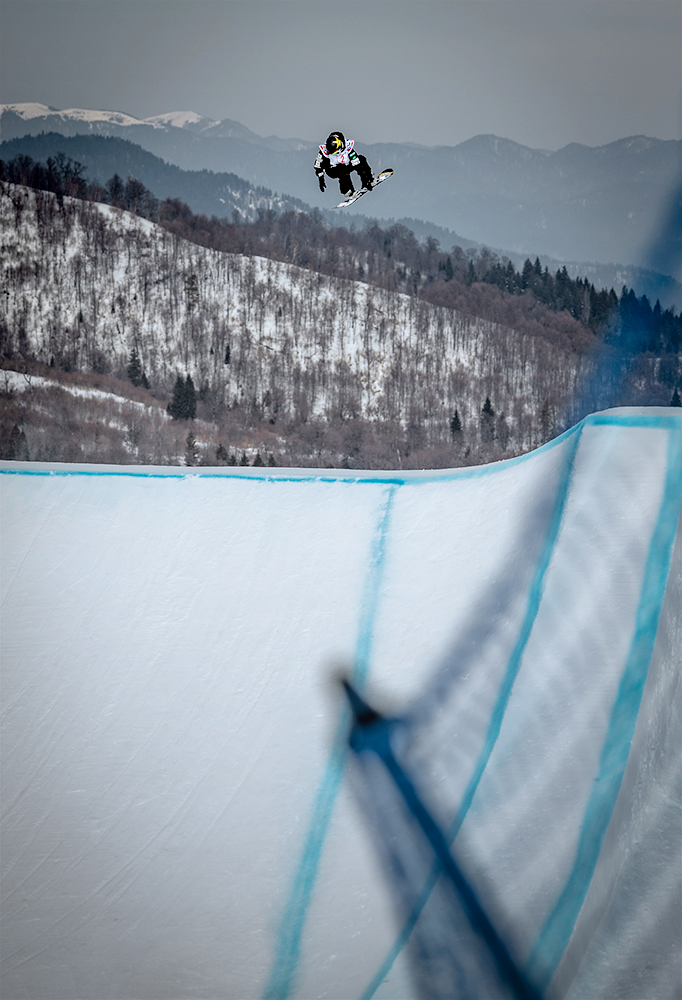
[179, 815]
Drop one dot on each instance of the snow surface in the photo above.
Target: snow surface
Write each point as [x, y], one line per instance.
[179, 119]
[28, 111]
[177, 819]
[12, 381]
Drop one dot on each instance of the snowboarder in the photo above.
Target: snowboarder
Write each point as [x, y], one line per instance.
[337, 158]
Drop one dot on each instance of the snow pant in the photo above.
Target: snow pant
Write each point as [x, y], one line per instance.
[342, 174]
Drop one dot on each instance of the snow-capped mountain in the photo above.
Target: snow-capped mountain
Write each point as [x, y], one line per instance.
[43, 113]
[181, 119]
[27, 119]
[606, 204]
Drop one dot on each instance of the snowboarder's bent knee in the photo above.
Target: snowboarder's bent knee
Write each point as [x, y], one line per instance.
[337, 158]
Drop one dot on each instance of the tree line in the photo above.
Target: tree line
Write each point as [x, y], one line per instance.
[532, 300]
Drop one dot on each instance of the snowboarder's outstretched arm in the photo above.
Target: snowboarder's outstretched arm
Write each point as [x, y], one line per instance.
[320, 169]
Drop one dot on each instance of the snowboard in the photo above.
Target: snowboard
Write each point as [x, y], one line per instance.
[384, 175]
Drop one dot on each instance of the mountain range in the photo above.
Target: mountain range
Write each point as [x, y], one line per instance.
[204, 191]
[618, 203]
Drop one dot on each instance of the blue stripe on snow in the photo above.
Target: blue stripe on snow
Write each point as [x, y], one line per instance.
[556, 933]
[562, 921]
[558, 928]
[495, 724]
[291, 925]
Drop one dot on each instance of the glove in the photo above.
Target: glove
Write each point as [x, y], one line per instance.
[322, 182]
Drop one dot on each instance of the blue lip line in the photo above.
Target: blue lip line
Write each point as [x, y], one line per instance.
[390, 479]
[314, 476]
[293, 918]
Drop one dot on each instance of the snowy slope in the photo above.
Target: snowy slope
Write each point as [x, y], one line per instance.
[31, 111]
[181, 119]
[87, 283]
[177, 817]
[77, 120]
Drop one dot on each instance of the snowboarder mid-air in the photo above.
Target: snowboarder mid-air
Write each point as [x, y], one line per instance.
[337, 158]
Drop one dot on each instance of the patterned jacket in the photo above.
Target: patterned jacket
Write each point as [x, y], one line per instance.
[347, 157]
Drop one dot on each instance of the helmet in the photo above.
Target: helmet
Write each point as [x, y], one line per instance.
[335, 142]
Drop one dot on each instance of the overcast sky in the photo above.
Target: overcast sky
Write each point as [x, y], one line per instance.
[541, 72]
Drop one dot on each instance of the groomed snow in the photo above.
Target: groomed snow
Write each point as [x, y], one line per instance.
[174, 813]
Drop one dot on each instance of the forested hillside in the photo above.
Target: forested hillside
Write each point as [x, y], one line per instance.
[331, 361]
[391, 257]
[209, 194]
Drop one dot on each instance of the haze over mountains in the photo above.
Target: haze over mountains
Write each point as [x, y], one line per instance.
[606, 204]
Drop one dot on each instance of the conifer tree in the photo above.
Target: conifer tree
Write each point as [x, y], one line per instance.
[184, 403]
[502, 432]
[190, 399]
[546, 421]
[176, 407]
[191, 450]
[487, 421]
[455, 425]
[527, 274]
[115, 189]
[18, 446]
[135, 373]
[676, 401]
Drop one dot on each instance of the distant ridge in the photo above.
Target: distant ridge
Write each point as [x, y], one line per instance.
[204, 191]
[610, 204]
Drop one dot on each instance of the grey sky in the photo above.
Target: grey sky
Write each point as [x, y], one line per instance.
[541, 72]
